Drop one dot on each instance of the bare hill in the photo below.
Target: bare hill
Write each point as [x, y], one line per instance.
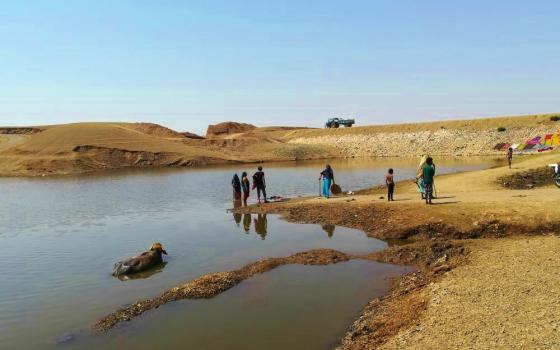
[76, 148]
[85, 147]
[155, 129]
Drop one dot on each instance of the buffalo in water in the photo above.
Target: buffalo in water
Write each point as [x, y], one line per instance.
[140, 263]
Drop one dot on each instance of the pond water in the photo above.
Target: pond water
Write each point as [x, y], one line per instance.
[60, 237]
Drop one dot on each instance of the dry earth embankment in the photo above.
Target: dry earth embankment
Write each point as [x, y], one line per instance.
[449, 142]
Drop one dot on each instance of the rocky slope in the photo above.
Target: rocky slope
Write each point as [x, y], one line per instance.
[452, 142]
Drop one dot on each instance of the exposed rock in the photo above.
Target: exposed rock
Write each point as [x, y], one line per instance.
[452, 142]
[228, 128]
[20, 130]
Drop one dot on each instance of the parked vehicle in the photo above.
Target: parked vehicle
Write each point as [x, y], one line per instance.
[556, 175]
[336, 122]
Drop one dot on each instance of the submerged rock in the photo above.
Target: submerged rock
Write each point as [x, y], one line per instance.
[65, 338]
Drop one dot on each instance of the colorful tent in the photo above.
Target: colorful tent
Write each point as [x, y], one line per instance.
[529, 147]
[555, 140]
[547, 140]
[534, 141]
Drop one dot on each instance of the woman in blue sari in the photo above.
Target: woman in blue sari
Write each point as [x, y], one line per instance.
[327, 176]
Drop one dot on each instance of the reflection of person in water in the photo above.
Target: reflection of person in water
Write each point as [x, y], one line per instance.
[260, 225]
[329, 229]
[237, 218]
[247, 222]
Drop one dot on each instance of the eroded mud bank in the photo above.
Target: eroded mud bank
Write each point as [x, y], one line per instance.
[434, 244]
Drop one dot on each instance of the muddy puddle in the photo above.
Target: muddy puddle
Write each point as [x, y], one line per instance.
[60, 237]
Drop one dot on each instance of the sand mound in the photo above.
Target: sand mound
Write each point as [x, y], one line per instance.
[228, 128]
[155, 130]
[82, 147]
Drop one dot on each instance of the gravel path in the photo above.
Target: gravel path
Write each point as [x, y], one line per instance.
[505, 298]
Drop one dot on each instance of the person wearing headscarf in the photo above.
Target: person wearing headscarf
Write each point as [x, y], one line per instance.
[236, 184]
[419, 178]
[327, 175]
[246, 186]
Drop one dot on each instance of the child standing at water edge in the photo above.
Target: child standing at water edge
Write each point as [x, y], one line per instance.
[389, 181]
[246, 186]
[509, 156]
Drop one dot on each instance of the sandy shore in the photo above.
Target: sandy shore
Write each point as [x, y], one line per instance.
[487, 275]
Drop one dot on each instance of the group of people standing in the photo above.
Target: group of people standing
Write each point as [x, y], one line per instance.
[424, 180]
[242, 188]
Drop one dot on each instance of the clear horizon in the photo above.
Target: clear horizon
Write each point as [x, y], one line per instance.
[285, 63]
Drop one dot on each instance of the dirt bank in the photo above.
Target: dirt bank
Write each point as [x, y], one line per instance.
[539, 177]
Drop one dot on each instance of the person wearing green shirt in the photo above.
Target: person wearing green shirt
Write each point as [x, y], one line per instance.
[428, 172]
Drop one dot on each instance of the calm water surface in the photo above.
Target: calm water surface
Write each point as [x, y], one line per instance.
[60, 237]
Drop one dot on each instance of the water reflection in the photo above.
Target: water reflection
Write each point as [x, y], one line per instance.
[247, 223]
[237, 218]
[260, 225]
[144, 274]
[329, 229]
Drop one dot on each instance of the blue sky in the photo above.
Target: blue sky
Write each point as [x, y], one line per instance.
[186, 64]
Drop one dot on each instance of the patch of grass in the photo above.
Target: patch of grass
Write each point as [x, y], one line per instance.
[501, 129]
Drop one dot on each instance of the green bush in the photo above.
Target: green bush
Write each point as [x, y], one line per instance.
[555, 118]
[501, 129]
